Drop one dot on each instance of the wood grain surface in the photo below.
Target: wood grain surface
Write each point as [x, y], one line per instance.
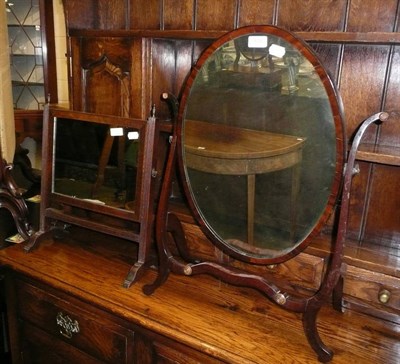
[235, 325]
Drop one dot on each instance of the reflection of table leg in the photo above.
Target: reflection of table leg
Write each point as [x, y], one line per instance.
[105, 159]
[251, 182]
[294, 197]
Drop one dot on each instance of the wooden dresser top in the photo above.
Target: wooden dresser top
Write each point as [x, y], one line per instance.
[236, 325]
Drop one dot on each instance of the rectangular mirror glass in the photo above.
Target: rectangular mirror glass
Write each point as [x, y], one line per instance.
[96, 162]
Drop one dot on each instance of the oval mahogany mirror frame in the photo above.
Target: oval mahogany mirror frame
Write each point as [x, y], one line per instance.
[185, 154]
[222, 116]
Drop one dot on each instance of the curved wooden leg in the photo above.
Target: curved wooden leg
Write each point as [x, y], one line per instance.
[36, 238]
[134, 274]
[55, 232]
[162, 275]
[310, 329]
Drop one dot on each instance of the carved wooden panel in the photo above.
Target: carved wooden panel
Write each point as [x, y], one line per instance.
[101, 76]
[105, 89]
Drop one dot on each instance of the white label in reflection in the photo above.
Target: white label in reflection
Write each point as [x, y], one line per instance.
[277, 50]
[133, 135]
[116, 131]
[257, 41]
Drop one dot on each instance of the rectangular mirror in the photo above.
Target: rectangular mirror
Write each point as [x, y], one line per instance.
[96, 162]
[97, 174]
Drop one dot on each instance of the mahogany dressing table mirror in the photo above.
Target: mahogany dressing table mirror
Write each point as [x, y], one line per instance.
[97, 175]
[259, 144]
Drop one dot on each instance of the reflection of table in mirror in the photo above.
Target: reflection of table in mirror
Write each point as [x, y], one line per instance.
[223, 149]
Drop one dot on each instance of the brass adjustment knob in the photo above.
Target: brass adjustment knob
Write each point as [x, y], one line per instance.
[280, 298]
[384, 296]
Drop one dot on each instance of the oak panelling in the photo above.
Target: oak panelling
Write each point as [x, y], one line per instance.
[372, 16]
[256, 12]
[145, 14]
[312, 15]
[329, 56]
[379, 222]
[178, 14]
[163, 72]
[390, 134]
[184, 56]
[141, 80]
[199, 47]
[216, 15]
[171, 64]
[362, 83]
[382, 222]
[357, 202]
[111, 14]
[80, 14]
[75, 83]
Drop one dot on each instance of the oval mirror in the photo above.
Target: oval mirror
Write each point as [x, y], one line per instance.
[260, 138]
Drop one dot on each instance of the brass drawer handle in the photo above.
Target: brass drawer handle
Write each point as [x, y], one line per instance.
[384, 296]
[68, 326]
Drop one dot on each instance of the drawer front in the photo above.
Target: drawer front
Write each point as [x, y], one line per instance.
[77, 324]
[36, 344]
[169, 355]
[152, 348]
[379, 290]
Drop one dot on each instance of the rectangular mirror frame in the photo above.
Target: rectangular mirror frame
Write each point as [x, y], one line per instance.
[56, 208]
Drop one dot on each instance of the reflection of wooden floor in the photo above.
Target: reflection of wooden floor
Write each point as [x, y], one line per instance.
[237, 325]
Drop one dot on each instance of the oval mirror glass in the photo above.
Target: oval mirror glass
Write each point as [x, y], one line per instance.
[261, 143]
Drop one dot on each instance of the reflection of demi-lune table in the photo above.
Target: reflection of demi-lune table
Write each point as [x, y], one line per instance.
[223, 149]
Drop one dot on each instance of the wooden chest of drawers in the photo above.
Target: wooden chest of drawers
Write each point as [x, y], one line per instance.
[46, 314]
[48, 326]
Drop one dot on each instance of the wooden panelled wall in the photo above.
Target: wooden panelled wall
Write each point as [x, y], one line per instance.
[356, 40]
